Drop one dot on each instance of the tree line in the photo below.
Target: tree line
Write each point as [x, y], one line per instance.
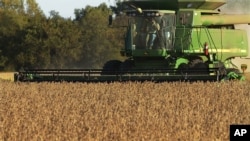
[29, 39]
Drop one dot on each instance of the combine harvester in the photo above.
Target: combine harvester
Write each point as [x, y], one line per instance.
[167, 40]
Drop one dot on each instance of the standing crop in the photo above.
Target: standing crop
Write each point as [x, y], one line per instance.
[122, 111]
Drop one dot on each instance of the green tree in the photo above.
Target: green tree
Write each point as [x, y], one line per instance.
[30, 39]
[12, 22]
[63, 42]
[100, 42]
[32, 52]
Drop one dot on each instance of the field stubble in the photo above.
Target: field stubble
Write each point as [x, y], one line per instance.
[122, 111]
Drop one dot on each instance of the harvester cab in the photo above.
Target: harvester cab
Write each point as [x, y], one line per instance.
[150, 33]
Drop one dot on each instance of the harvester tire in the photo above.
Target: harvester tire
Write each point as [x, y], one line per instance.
[111, 67]
[197, 66]
[193, 63]
[182, 69]
[126, 66]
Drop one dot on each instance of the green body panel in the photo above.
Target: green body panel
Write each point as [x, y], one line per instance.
[182, 38]
[193, 17]
[226, 43]
[207, 20]
[180, 61]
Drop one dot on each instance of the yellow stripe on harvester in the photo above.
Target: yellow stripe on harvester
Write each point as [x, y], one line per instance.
[216, 50]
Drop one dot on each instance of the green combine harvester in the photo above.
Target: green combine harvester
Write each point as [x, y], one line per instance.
[167, 40]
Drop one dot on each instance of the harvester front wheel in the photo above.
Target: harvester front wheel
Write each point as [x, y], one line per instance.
[111, 67]
[126, 66]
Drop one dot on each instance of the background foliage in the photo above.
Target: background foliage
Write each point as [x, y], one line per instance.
[30, 39]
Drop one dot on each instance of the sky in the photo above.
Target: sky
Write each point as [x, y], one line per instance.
[66, 7]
